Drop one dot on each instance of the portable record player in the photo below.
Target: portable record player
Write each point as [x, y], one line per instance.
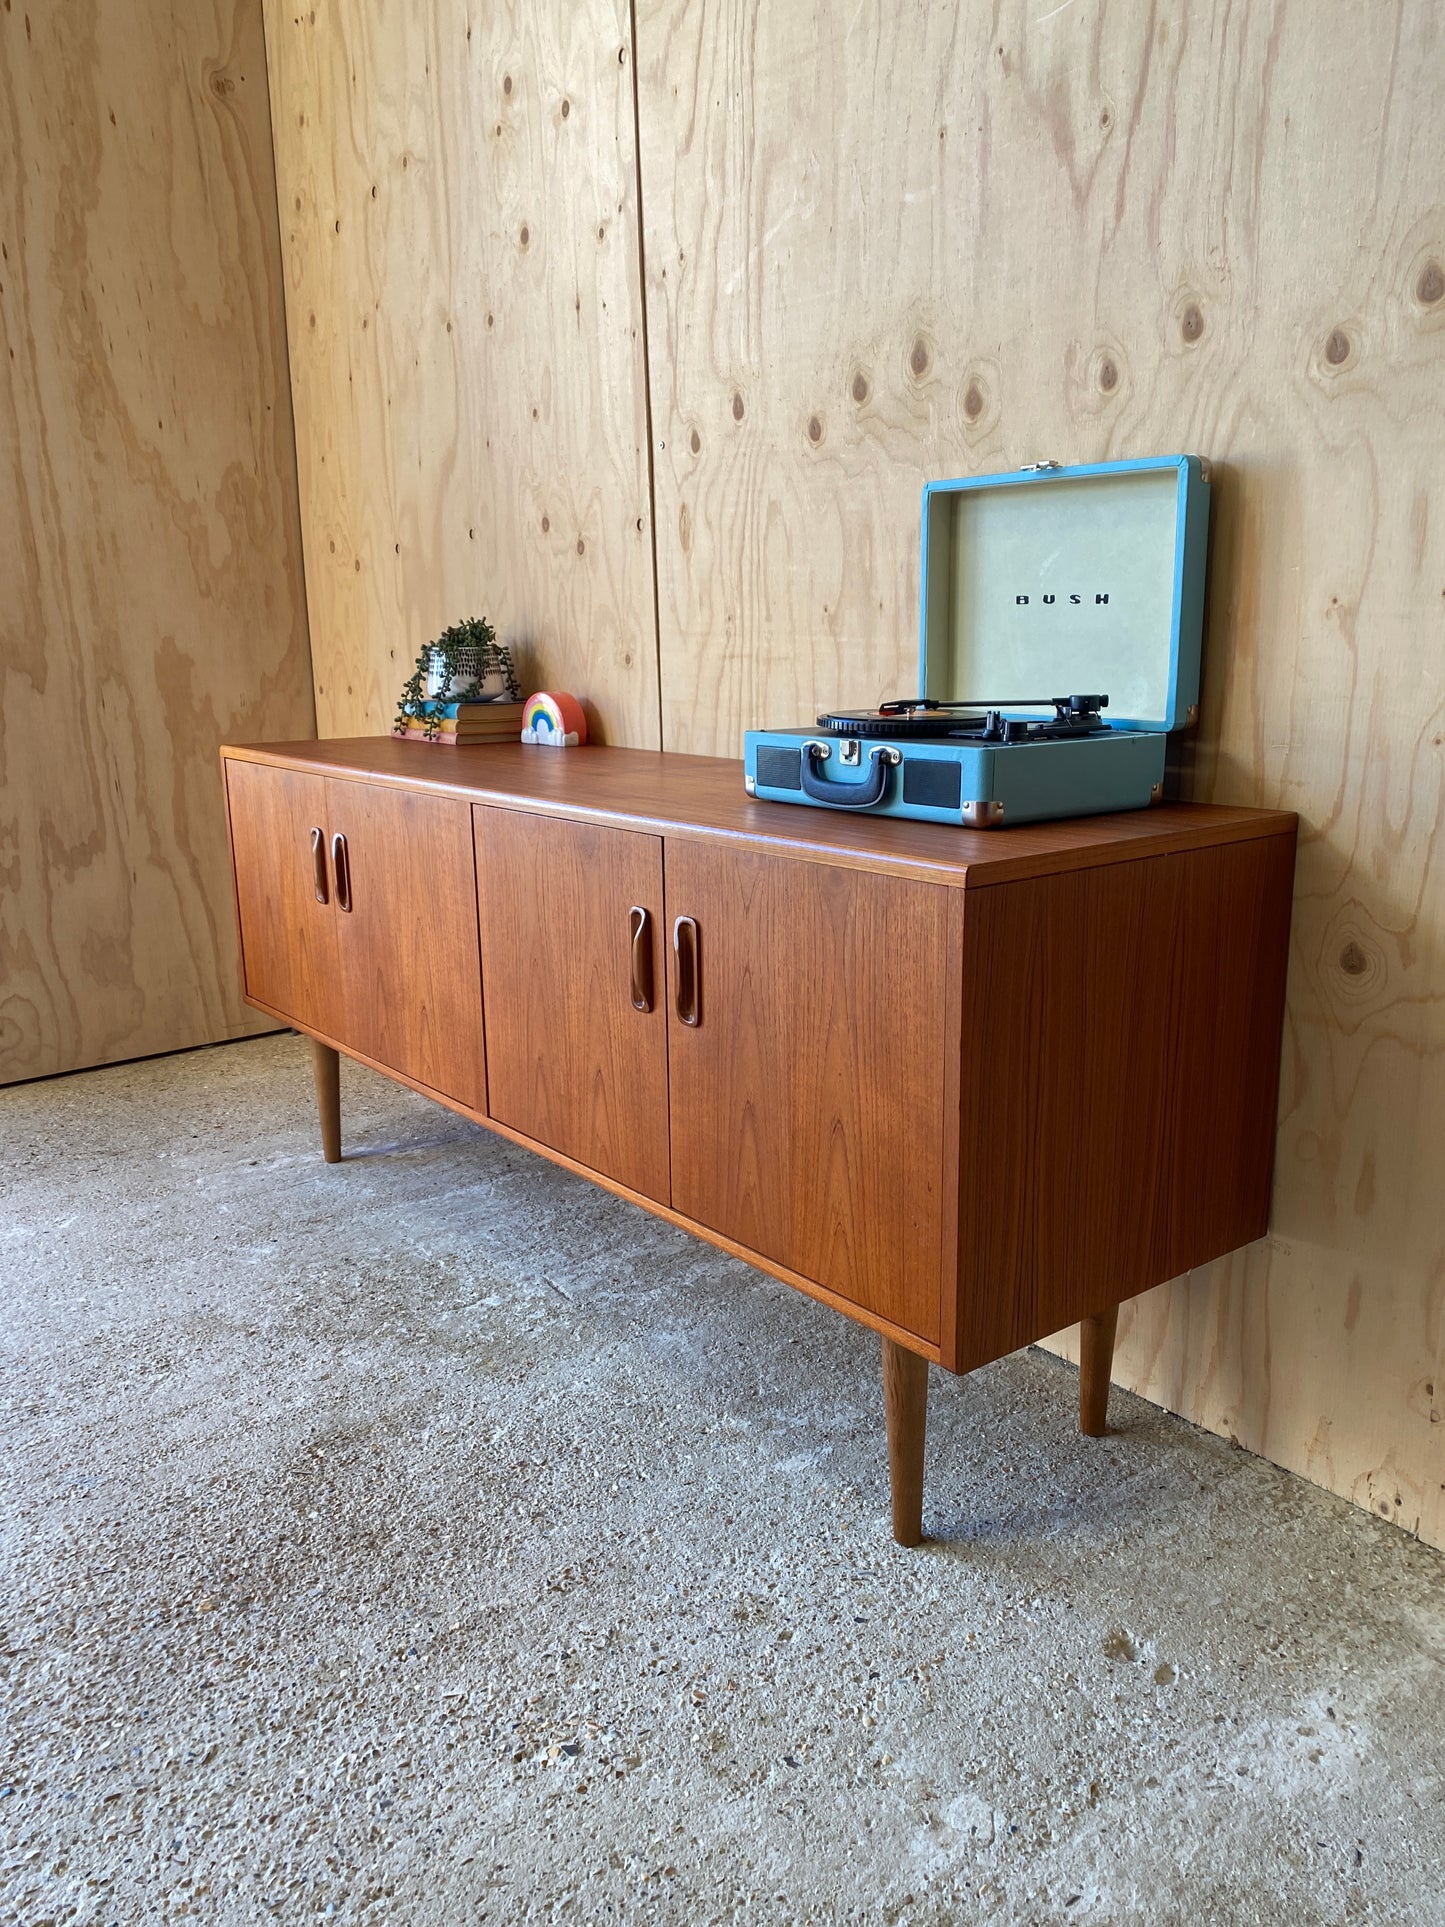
[1061, 620]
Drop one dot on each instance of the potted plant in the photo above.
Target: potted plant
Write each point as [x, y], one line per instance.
[466, 664]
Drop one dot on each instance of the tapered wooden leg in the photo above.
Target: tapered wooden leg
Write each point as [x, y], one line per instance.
[905, 1403]
[327, 1065]
[1096, 1360]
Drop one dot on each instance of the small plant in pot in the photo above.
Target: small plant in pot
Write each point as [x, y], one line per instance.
[466, 664]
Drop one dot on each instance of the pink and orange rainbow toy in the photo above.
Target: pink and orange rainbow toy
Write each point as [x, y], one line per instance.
[553, 718]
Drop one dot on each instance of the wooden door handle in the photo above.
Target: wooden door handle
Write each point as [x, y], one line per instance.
[687, 952]
[639, 929]
[318, 866]
[341, 864]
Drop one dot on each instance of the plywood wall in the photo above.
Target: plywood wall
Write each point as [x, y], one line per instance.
[885, 242]
[458, 189]
[150, 567]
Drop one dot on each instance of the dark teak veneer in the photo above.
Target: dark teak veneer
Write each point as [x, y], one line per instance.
[967, 1087]
[570, 915]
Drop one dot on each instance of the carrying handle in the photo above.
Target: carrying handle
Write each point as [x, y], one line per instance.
[686, 950]
[318, 865]
[341, 864]
[639, 930]
[866, 795]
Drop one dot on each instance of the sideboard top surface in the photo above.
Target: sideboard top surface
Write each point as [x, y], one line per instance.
[662, 792]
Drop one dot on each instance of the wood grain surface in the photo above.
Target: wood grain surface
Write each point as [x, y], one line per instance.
[326, 1068]
[150, 559]
[891, 242]
[458, 195]
[570, 1062]
[1121, 1042]
[686, 794]
[288, 937]
[905, 1413]
[407, 950]
[1096, 1364]
[806, 1121]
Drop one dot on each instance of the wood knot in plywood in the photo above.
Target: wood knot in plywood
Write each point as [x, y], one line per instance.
[860, 388]
[694, 441]
[815, 429]
[738, 409]
[1357, 973]
[1191, 324]
[919, 358]
[1430, 287]
[1337, 348]
[1097, 376]
[978, 400]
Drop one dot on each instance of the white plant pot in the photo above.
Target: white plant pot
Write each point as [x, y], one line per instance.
[493, 684]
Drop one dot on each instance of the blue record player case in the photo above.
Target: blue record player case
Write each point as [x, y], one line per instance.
[1038, 586]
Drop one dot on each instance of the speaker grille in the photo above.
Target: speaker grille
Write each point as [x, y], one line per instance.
[936, 785]
[780, 769]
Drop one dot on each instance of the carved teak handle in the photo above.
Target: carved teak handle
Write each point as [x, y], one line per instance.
[639, 928]
[341, 864]
[687, 951]
[318, 866]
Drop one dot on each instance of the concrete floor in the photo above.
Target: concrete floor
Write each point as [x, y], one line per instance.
[433, 1538]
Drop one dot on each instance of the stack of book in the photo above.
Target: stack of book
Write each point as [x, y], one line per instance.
[462, 723]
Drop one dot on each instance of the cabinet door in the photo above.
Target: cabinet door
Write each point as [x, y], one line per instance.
[288, 937]
[808, 1099]
[407, 935]
[570, 947]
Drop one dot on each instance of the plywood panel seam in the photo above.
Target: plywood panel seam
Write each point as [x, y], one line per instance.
[286, 345]
[646, 374]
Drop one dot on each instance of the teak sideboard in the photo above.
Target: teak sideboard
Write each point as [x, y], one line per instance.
[966, 1087]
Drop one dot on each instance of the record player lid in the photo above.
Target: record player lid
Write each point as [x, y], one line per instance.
[1069, 578]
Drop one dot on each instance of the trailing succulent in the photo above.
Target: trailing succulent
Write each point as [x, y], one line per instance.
[469, 648]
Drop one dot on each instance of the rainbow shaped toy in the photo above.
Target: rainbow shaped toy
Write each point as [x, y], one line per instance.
[555, 719]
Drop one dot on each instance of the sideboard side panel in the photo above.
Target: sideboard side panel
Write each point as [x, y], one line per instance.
[1121, 1054]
